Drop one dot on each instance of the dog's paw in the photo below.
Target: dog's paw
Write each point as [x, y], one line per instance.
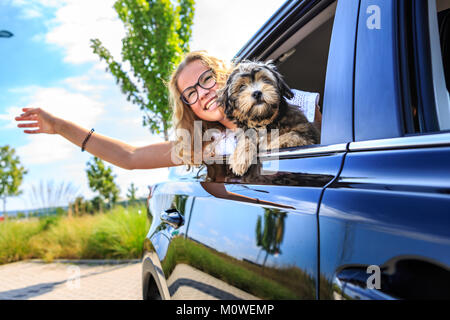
[240, 162]
[243, 156]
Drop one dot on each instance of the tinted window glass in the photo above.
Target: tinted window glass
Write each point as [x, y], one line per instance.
[427, 107]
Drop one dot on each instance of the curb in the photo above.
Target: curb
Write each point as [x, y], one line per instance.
[99, 262]
[85, 261]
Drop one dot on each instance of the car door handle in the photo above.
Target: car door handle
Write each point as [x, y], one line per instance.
[351, 283]
[173, 218]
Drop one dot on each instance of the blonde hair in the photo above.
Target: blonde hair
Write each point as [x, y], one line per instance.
[182, 116]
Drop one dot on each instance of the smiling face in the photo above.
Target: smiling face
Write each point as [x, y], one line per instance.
[206, 107]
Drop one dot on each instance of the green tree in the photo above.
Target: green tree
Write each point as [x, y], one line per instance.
[132, 193]
[81, 206]
[101, 180]
[157, 36]
[97, 203]
[11, 174]
[20, 215]
[270, 237]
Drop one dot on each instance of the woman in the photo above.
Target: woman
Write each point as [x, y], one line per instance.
[192, 95]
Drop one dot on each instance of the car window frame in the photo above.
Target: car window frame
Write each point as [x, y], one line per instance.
[423, 83]
[442, 99]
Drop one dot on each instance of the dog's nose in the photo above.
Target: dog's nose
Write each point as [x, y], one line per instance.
[257, 95]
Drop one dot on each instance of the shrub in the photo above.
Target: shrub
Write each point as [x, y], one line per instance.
[117, 234]
[120, 234]
[15, 238]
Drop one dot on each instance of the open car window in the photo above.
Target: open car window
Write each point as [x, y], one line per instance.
[300, 52]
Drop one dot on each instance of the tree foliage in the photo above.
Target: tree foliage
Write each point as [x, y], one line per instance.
[132, 193]
[157, 36]
[270, 236]
[101, 180]
[11, 174]
[81, 206]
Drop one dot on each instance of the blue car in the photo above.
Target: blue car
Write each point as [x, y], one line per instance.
[365, 214]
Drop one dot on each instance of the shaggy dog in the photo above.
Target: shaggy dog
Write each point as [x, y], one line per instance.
[254, 97]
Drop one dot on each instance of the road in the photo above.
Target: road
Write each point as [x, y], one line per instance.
[71, 280]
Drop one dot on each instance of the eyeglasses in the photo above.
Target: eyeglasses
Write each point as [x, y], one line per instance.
[207, 80]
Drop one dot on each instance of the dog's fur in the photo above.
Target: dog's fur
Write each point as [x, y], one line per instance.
[254, 97]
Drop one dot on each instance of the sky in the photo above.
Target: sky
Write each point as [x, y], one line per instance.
[48, 63]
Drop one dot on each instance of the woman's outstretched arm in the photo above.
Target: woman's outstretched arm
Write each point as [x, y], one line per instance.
[121, 154]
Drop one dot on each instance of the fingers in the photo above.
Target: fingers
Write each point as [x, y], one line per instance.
[32, 131]
[29, 114]
[28, 125]
[26, 118]
[29, 111]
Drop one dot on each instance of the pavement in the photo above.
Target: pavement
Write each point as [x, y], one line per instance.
[71, 280]
[104, 280]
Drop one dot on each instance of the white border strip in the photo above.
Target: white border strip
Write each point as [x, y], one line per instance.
[424, 140]
[306, 151]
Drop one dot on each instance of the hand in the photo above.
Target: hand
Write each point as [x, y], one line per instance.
[44, 121]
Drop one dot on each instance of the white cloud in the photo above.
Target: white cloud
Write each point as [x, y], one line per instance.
[223, 27]
[45, 149]
[75, 22]
[40, 37]
[82, 83]
[219, 27]
[50, 3]
[18, 3]
[141, 179]
[11, 112]
[78, 21]
[32, 9]
[30, 13]
[77, 107]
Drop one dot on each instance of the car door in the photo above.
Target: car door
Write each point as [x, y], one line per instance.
[256, 237]
[253, 237]
[385, 221]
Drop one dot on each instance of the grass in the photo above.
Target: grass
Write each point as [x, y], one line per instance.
[117, 234]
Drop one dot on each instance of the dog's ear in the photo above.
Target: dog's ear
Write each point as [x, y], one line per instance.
[223, 96]
[282, 85]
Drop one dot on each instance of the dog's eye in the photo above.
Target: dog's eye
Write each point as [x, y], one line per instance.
[266, 80]
[241, 87]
